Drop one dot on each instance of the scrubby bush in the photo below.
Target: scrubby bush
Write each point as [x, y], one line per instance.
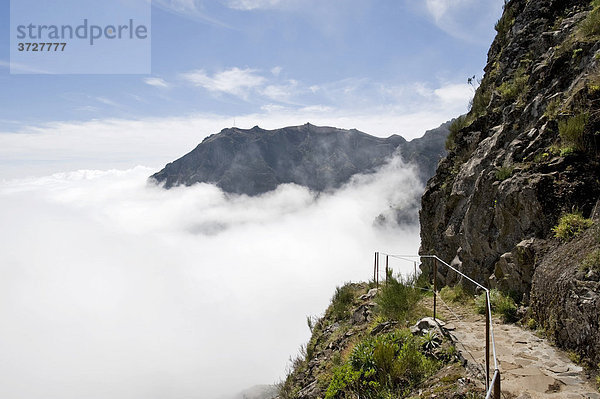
[590, 26]
[397, 298]
[455, 294]
[380, 366]
[500, 303]
[553, 108]
[479, 103]
[504, 172]
[571, 225]
[571, 131]
[341, 301]
[513, 89]
[456, 126]
[591, 261]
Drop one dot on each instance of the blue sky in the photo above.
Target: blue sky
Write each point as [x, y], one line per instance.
[382, 66]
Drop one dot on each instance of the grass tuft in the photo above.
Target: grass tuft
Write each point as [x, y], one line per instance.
[571, 131]
[504, 172]
[341, 301]
[500, 303]
[570, 225]
[591, 261]
[456, 126]
[398, 297]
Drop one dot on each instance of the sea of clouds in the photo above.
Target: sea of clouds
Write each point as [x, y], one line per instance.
[116, 288]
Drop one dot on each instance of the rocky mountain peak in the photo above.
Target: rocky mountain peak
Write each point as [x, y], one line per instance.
[254, 161]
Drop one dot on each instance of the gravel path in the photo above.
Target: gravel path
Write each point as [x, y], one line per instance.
[530, 367]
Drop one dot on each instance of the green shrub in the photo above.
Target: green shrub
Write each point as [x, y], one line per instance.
[479, 103]
[397, 298]
[504, 172]
[553, 108]
[341, 301]
[381, 365]
[590, 26]
[566, 151]
[571, 131]
[515, 88]
[571, 225]
[500, 303]
[430, 341]
[591, 261]
[455, 294]
[506, 22]
[456, 126]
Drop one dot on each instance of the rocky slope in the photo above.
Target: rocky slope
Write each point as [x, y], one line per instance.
[359, 350]
[255, 161]
[526, 154]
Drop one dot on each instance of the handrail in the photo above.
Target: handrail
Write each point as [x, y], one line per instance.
[494, 385]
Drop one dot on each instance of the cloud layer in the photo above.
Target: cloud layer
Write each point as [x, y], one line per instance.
[113, 288]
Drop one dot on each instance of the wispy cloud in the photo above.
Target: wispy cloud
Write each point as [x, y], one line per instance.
[190, 9]
[234, 81]
[247, 5]
[156, 82]
[455, 16]
[21, 68]
[107, 101]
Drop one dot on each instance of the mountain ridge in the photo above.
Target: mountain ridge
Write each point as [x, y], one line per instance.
[255, 161]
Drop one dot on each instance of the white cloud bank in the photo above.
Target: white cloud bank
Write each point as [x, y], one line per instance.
[115, 289]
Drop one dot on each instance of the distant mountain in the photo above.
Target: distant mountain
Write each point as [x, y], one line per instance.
[255, 161]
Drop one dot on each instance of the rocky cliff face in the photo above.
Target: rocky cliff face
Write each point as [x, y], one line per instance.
[255, 161]
[526, 154]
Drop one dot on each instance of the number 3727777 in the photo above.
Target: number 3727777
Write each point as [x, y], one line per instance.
[41, 46]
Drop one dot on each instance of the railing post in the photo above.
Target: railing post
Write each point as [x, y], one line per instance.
[375, 268]
[487, 342]
[497, 385]
[434, 287]
[415, 263]
[387, 259]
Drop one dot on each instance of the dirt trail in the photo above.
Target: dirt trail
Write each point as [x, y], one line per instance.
[530, 367]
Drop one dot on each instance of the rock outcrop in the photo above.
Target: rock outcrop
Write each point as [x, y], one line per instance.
[527, 152]
[256, 161]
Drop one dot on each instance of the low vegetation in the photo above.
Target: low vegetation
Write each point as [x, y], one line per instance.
[504, 172]
[591, 262]
[341, 301]
[571, 131]
[398, 298]
[383, 366]
[570, 225]
[515, 88]
[553, 108]
[500, 303]
[590, 26]
[456, 294]
[456, 126]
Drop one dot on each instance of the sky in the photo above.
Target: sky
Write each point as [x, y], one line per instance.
[111, 287]
[381, 66]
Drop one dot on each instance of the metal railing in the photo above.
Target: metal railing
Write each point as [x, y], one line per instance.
[492, 386]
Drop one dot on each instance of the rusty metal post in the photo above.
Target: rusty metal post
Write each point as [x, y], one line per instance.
[375, 268]
[497, 385]
[434, 287]
[387, 263]
[487, 342]
[415, 271]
